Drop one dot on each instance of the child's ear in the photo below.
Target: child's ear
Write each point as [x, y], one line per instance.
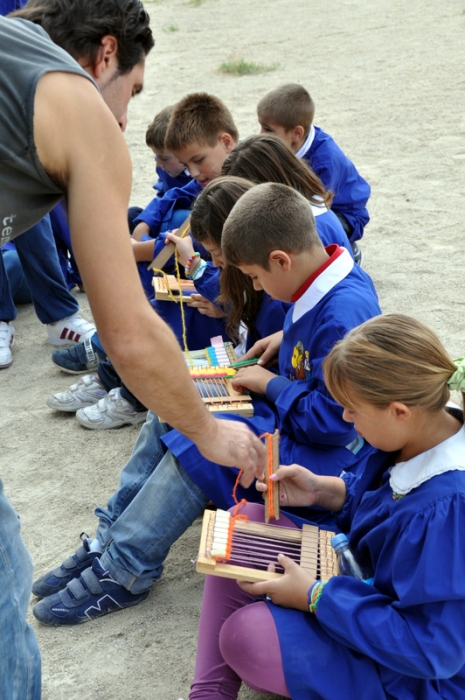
[401, 410]
[227, 141]
[281, 259]
[298, 133]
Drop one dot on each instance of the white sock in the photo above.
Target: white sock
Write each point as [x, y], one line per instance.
[95, 546]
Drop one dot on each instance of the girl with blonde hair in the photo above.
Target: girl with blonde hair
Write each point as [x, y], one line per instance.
[401, 632]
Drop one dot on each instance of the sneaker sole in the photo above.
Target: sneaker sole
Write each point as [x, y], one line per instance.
[67, 409]
[87, 370]
[60, 622]
[115, 424]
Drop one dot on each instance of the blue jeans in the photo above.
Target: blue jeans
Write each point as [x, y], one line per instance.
[20, 667]
[39, 259]
[155, 503]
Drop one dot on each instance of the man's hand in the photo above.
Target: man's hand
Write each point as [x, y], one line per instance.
[254, 378]
[205, 307]
[290, 591]
[299, 486]
[265, 349]
[232, 444]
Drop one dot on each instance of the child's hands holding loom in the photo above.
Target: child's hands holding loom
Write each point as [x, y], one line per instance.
[290, 591]
[184, 246]
[254, 378]
[265, 349]
[205, 307]
[301, 487]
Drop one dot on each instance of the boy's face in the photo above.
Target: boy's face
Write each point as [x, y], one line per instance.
[168, 162]
[205, 162]
[276, 281]
[268, 127]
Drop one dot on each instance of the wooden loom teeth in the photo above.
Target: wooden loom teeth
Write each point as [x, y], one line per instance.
[169, 288]
[164, 255]
[272, 493]
[259, 544]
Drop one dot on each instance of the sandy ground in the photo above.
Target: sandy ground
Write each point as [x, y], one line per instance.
[387, 79]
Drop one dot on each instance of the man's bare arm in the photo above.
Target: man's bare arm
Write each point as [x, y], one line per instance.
[79, 142]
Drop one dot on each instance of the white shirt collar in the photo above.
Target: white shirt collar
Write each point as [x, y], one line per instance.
[332, 275]
[303, 149]
[448, 456]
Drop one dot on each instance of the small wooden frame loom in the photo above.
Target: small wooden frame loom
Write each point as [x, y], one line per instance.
[241, 549]
[218, 354]
[170, 289]
[216, 391]
[164, 255]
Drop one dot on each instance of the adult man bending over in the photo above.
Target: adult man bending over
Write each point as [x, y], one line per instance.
[59, 137]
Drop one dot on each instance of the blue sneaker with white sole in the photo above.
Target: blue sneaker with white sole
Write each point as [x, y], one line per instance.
[57, 579]
[91, 595]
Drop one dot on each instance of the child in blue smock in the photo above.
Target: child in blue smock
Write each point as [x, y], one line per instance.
[270, 236]
[401, 633]
[266, 158]
[288, 112]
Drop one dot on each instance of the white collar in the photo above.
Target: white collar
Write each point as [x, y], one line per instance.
[318, 207]
[303, 149]
[329, 278]
[448, 456]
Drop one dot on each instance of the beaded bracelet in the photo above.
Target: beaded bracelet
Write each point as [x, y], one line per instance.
[314, 595]
[199, 271]
[188, 264]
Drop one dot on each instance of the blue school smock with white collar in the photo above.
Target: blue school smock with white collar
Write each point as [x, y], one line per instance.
[340, 176]
[310, 422]
[403, 636]
[167, 182]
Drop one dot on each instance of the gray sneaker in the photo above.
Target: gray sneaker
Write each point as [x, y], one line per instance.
[110, 412]
[86, 392]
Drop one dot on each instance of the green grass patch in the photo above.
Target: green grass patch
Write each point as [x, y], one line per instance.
[171, 28]
[241, 67]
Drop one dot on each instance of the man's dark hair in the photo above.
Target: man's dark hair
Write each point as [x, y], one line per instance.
[79, 25]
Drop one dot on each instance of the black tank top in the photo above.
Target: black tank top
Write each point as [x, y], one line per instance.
[26, 191]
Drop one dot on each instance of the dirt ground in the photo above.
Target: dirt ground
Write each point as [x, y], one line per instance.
[387, 79]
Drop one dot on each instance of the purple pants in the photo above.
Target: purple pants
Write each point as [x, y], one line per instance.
[238, 641]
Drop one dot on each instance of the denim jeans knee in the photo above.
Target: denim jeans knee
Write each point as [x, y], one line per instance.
[20, 666]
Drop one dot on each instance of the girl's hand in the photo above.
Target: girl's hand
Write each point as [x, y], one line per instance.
[184, 246]
[290, 590]
[265, 349]
[205, 307]
[254, 378]
[301, 487]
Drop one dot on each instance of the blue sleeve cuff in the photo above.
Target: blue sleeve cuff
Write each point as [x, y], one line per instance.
[275, 387]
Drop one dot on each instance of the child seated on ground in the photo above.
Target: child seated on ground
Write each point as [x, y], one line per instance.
[287, 111]
[266, 158]
[400, 634]
[100, 401]
[270, 235]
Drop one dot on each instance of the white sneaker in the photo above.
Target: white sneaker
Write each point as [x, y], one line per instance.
[86, 392]
[110, 412]
[70, 330]
[7, 340]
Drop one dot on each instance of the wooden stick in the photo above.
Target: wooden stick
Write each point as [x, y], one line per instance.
[273, 486]
[164, 255]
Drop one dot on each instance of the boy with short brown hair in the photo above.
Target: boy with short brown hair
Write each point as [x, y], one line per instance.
[201, 134]
[287, 111]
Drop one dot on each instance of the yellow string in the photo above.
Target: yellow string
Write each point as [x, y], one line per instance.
[179, 301]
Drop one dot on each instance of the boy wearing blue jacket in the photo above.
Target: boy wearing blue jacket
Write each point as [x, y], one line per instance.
[288, 111]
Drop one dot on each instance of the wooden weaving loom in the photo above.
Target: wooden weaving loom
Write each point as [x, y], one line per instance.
[170, 289]
[241, 549]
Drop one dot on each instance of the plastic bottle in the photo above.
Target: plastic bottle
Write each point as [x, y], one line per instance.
[345, 559]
